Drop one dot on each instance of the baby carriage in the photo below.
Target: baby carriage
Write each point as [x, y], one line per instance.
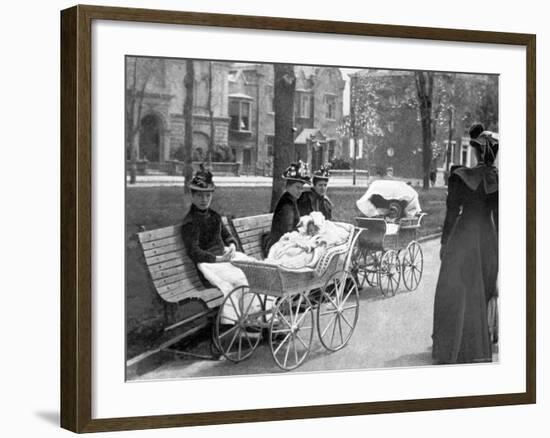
[285, 306]
[387, 250]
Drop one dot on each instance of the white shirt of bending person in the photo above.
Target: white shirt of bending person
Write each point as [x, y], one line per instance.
[389, 189]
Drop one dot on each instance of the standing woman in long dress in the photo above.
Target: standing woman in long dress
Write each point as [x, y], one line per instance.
[469, 258]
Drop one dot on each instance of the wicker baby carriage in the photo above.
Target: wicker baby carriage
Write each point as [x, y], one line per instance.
[387, 253]
[285, 305]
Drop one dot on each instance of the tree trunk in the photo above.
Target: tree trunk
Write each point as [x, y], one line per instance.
[424, 88]
[130, 126]
[211, 114]
[283, 151]
[189, 83]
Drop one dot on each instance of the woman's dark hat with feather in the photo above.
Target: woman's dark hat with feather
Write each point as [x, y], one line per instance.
[486, 142]
[298, 172]
[323, 174]
[202, 181]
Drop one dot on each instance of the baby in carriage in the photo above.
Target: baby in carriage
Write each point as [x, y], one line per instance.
[391, 200]
[303, 248]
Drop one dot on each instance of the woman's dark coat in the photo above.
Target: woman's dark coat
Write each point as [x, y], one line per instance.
[204, 236]
[285, 218]
[469, 267]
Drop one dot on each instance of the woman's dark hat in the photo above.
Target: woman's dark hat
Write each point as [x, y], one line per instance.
[323, 174]
[202, 181]
[297, 172]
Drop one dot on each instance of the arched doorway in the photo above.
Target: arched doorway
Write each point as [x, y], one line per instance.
[150, 138]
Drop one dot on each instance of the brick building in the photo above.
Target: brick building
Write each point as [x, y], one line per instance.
[318, 111]
[242, 106]
[161, 123]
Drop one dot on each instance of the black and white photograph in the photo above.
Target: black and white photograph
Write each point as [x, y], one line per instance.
[308, 218]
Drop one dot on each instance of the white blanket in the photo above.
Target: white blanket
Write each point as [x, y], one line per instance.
[227, 277]
[300, 249]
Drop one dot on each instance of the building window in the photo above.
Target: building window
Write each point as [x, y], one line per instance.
[330, 106]
[239, 112]
[305, 105]
[270, 142]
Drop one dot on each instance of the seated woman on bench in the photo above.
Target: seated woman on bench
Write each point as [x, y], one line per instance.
[207, 242]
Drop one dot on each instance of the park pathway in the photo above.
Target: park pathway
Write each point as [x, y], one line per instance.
[391, 332]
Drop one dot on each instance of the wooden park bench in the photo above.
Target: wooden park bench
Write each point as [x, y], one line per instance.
[176, 279]
[250, 232]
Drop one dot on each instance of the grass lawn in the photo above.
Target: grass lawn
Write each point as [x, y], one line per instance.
[154, 207]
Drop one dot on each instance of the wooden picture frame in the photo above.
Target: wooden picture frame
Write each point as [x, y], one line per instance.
[76, 217]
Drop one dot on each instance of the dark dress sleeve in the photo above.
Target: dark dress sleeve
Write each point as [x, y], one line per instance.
[286, 219]
[455, 197]
[304, 204]
[328, 210]
[190, 234]
[226, 235]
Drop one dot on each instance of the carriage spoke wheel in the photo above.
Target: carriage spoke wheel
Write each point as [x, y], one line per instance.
[291, 331]
[238, 328]
[412, 265]
[389, 273]
[372, 266]
[359, 266]
[338, 310]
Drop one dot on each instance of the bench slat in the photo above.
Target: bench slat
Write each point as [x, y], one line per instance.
[166, 265]
[212, 297]
[164, 257]
[252, 221]
[186, 268]
[245, 228]
[194, 277]
[250, 239]
[164, 249]
[161, 242]
[160, 233]
[251, 246]
[183, 284]
[254, 232]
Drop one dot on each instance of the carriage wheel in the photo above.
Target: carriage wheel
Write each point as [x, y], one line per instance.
[389, 273]
[359, 266]
[291, 331]
[338, 310]
[412, 265]
[238, 328]
[372, 268]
